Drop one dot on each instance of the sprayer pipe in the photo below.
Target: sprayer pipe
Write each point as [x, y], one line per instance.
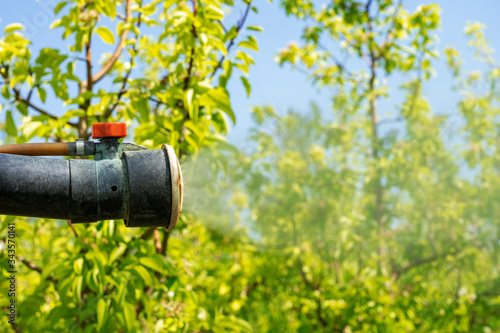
[48, 149]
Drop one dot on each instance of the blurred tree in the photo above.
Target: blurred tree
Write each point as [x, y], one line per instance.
[376, 226]
[167, 76]
[367, 222]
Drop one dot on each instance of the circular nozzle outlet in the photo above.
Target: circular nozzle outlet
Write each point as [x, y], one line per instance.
[177, 185]
[109, 130]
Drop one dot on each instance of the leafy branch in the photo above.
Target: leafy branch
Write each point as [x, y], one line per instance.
[26, 101]
[422, 261]
[121, 44]
[123, 89]
[35, 268]
[315, 286]
[231, 42]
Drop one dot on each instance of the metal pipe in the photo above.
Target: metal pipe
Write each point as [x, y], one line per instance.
[50, 149]
[143, 187]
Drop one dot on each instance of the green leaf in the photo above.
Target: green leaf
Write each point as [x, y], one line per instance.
[143, 110]
[42, 94]
[256, 28]
[102, 310]
[155, 262]
[224, 145]
[77, 288]
[10, 125]
[246, 84]
[13, 27]
[59, 7]
[5, 92]
[250, 43]
[145, 275]
[55, 24]
[78, 266]
[117, 252]
[129, 314]
[22, 108]
[110, 8]
[212, 12]
[188, 103]
[221, 99]
[106, 35]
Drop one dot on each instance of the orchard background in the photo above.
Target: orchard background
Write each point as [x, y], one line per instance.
[376, 213]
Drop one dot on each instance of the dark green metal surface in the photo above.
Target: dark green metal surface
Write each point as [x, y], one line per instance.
[124, 181]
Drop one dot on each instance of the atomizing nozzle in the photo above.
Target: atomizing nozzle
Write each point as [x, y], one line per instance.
[124, 181]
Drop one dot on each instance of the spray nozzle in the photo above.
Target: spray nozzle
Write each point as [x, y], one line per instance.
[123, 181]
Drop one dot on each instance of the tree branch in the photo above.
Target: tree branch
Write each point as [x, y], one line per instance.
[30, 265]
[191, 60]
[164, 247]
[314, 286]
[187, 79]
[423, 261]
[156, 100]
[34, 267]
[222, 25]
[311, 285]
[122, 91]
[148, 233]
[158, 246]
[373, 112]
[86, 86]
[389, 121]
[88, 61]
[250, 288]
[73, 228]
[111, 61]
[334, 59]
[231, 43]
[387, 40]
[19, 98]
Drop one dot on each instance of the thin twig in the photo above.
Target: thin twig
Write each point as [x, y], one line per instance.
[187, 79]
[121, 44]
[156, 100]
[334, 58]
[191, 59]
[231, 43]
[73, 228]
[147, 233]
[389, 121]
[19, 98]
[423, 261]
[88, 61]
[156, 234]
[122, 91]
[30, 265]
[34, 267]
[222, 25]
[387, 40]
[164, 247]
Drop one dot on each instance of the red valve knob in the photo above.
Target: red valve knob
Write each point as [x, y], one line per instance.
[109, 130]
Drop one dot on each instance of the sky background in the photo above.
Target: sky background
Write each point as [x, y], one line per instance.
[282, 87]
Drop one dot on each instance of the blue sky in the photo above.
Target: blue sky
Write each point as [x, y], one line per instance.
[282, 87]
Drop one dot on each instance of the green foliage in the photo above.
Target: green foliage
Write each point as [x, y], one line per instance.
[368, 222]
[166, 76]
[374, 221]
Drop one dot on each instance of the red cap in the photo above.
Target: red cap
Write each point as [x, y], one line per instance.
[109, 130]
